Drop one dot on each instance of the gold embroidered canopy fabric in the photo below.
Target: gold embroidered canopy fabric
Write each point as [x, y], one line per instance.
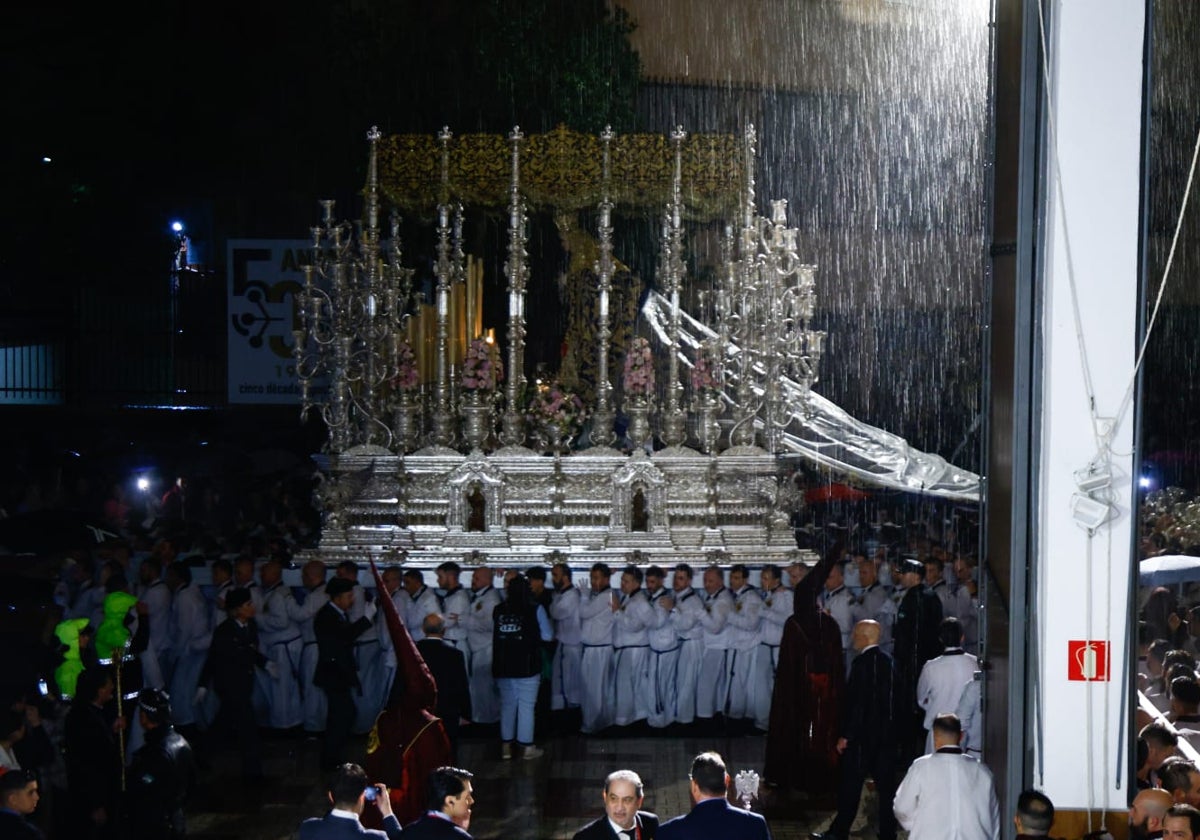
[563, 169]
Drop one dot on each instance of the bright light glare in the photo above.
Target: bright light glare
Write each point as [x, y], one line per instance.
[177, 227]
[45, 160]
[143, 484]
[1144, 483]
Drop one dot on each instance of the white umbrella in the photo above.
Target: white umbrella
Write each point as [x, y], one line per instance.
[1168, 569]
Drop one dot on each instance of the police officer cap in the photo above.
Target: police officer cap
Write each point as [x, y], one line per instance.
[236, 598]
[156, 703]
[909, 563]
[338, 586]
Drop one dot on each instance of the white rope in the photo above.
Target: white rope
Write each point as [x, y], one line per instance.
[1061, 202]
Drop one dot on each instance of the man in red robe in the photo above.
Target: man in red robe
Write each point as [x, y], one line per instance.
[408, 741]
[809, 691]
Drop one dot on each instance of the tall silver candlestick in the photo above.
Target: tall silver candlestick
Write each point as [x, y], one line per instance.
[602, 419]
[674, 418]
[442, 433]
[516, 270]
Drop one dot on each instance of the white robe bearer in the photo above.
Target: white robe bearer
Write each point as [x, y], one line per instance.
[455, 605]
[712, 685]
[280, 641]
[156, 658]
[776, 610]
[744, 621]
[191, 635]
[664, 662]
[566, 690]
[420, 604]
[948, 796]
[485, 699]
[313, 704]
[596, 635]
[685, 618]
[874, 603]
[631, 657]
[941, 684]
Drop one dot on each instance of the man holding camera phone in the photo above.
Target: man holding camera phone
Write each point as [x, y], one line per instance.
[350, 792]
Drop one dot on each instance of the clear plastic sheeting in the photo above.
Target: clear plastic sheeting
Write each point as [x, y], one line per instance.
[822, 433]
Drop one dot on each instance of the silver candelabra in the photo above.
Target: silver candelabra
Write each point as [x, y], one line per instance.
[351, 311]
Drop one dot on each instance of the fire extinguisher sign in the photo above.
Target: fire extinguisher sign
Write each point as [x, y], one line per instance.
[1087, 661]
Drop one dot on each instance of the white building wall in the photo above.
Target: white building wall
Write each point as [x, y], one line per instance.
[1091, 227]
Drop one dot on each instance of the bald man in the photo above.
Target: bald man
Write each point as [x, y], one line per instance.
[867, 743]
[1147, 812]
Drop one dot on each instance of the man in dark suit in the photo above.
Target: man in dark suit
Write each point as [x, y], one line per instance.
[349, 793]
[449, 814]
[232, 658]
[449, 669]
[916, 639]
[867, 745]
[712, 817]
[337, 669]
[623, 818]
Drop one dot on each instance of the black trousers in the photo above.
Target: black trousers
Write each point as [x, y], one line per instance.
[339, 721]
[856, 766]
[235, 719]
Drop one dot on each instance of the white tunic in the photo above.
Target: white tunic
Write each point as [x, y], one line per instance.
[280, 641]
[713, 683]
[940, 685]
[596, 634]
[744, 635]
[421, 603]
[663, 664]
[685, 618]
[191, 636]
[455, 606]
[631, 657]
[776, 610]
[157, 657]
[485, 698]
[566, 689]
[838, 604]
[313, 701]
[948, 796]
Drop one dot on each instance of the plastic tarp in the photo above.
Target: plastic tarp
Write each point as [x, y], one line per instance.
[822, 433]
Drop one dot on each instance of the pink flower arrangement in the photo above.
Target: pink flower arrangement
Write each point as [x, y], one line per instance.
[554, 406]
[406, 378]
[706, 373]
[482, 369]
[638, 378]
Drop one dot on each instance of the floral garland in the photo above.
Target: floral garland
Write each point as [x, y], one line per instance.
[638, 379]
[406, 378]
[706, 373]
[482, 368]
[555, 406]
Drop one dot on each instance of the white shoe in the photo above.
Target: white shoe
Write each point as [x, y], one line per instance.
[533, 752]
[506, 751]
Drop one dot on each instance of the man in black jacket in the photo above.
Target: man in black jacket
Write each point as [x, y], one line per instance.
[867, 745]
[337, 669]
[449, 669]
[623, 818]
[162, 773]
[232, 658]
[916, 640]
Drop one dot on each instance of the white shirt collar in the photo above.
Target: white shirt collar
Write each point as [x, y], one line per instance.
[346, 815]
[617, 829]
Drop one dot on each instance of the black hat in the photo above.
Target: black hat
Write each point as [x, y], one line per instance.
[235, 598]
[156, 703]
[338, 586]
[908, 563]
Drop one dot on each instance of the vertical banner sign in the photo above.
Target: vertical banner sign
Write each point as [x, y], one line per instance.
[1087, 660]
[264, 276]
